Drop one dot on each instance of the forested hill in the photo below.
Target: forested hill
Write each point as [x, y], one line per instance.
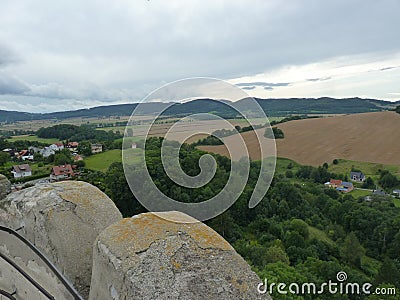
[326, 105]
[273, 107]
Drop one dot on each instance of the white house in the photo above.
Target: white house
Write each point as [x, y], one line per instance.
[47, 151]
[56, 146]
[20, 171]
[97, 148]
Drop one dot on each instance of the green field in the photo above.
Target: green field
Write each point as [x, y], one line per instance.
[359, 193]
[369, 169]
[33, 138]
[101, 161]
[396, 202]
[283, 163]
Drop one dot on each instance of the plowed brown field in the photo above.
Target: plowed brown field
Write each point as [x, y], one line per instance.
[369, 137]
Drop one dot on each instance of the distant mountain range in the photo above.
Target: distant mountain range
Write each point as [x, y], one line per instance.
[272, 107]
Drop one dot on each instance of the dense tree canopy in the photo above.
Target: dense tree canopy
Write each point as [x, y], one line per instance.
[76, 133]
[300, 231]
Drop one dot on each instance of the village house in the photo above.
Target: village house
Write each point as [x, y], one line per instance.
[47, 151]
[339, 185]
[96, 148]
[33, 149]
[20, 171]
[57, 146]
[333, 183]
[25, 155]
[77, 157]
[72, 146]
[63, 172]
[357, 176]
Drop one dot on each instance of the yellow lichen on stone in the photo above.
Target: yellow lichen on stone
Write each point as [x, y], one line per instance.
[80, 193]
[139, 232]
[175, 264]
[239, 284]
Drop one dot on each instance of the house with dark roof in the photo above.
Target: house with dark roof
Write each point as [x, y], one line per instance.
[61, 173]
[357, 176]
[379, 192]
[20, 171]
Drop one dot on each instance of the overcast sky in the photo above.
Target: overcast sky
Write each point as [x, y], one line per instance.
[61, 56]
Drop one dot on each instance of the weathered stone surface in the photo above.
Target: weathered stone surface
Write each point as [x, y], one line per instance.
[12, 281]
[147, 257]
[5, 186]
[63, 220]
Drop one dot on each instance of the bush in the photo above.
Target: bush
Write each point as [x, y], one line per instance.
[289, 174]
[335, 161]
[274, 133]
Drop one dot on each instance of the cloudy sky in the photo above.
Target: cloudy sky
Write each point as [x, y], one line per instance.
[56, 56]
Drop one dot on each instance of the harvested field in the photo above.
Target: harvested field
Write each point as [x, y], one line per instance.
[370, 137]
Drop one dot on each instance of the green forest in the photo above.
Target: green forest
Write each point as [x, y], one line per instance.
[300, 231]
[76, 133]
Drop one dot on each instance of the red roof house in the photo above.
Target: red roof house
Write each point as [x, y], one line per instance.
[61, 173]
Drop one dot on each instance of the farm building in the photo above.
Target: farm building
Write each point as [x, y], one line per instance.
[346, 187]
[340, 185]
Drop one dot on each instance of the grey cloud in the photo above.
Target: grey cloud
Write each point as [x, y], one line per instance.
[125, 48]
[262, 84]
[249, 87]
[7, 56]
[10, 85]
[319, 79]
[387, 68]
[265, 85]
